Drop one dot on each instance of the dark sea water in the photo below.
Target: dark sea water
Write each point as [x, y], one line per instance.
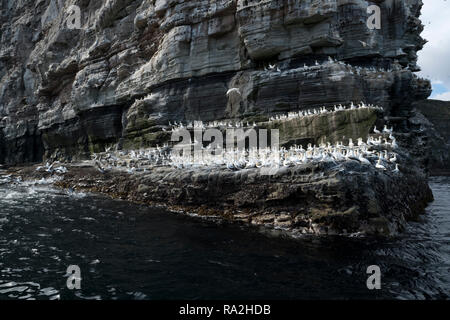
[128, 251]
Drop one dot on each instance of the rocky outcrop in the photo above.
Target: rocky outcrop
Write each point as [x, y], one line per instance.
[136, 64]
[321, 198]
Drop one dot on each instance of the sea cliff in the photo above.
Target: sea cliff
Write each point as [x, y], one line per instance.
[133, 67]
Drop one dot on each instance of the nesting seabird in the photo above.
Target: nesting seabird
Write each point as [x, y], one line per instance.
[379, 165]
[396, 170]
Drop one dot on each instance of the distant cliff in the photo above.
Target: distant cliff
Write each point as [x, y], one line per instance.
[435, 129]
[65, 93]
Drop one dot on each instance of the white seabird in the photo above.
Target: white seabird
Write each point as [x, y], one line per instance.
[396, 170]
[233, 90]
[394, 144]
[379, 165]
[386, 130]
[394, 158]
[364, 44]
[99, 167]
[363, 160]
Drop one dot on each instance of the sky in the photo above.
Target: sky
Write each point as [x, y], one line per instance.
[434, 59]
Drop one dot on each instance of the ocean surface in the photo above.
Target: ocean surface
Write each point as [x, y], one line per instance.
[127, 251]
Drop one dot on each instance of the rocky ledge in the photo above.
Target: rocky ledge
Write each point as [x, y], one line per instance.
[321, 198]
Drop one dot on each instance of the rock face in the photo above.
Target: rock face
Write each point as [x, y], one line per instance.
[134, 65]
[432, 120]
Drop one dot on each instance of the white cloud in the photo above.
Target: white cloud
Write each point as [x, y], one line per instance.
[443, 96]
[434, 59]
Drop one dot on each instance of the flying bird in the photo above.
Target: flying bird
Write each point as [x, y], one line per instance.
[233, 90]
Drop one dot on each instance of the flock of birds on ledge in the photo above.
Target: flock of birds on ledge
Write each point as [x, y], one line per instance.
[352, 69]
[323, 110]
[237, 159]
[378, 150]
[177, 126]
